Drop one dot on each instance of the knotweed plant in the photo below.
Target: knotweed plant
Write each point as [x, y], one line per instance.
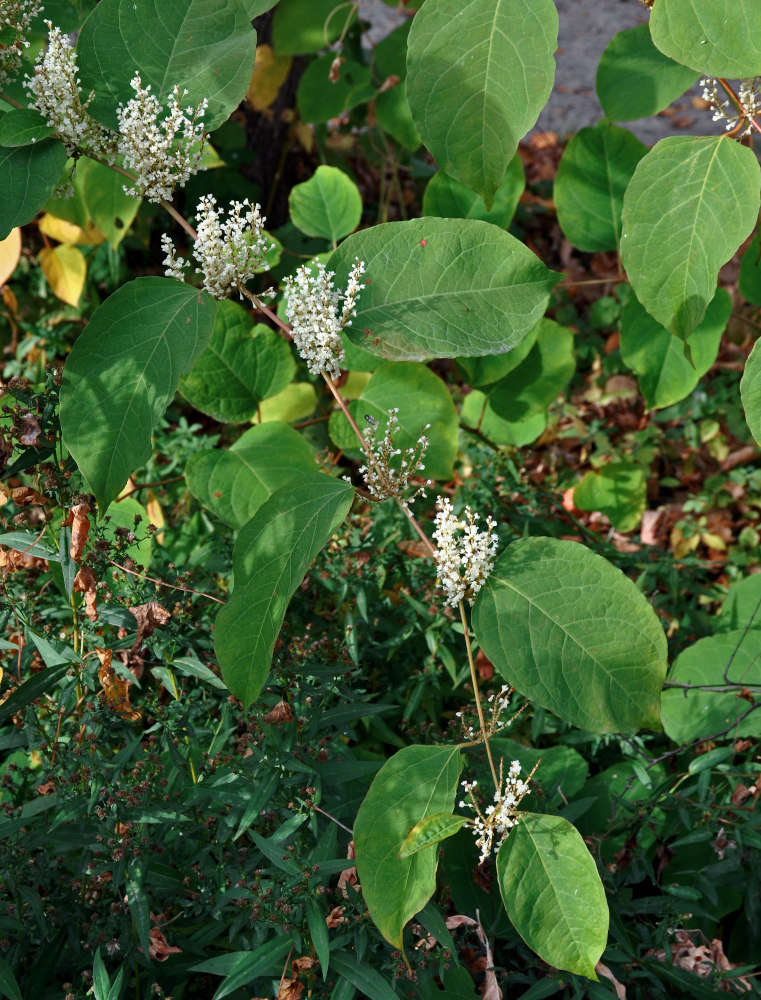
[54, 88]
[464, 554]
[163, 147]
[385, 478]
[739, 108]
[493, 824]
[498, 702]
[228, 251]
[15, 18]
[318, 312]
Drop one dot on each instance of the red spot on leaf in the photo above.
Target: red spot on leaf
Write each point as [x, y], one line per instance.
[424, 243]
[218, 493]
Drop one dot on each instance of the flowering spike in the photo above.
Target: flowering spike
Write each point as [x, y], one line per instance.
[16, 15]
[749, 97]
[384, 477]
[463, 562]
[163, 153]
[497, 819]
[312, 308]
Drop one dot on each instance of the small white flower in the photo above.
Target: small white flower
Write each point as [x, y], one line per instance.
[464, 555]
[383, 475]
[499, 817]
[318, 313]
[229, 251]
[163, 152]
[16, 15]
[54, 88]
[740, 118]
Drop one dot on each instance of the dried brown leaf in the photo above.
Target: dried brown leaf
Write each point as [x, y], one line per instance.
[290, 989]
[149, 617]
[603, 970]
[79, 523]
[280, 714]
[84, 583]
[159, 948]
[336, 917]
[115, 688]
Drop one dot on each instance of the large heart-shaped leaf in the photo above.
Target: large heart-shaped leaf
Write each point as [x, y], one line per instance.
[443, 288]
[417, 782]
[202, 46]
[273, 552]
[714, 38]
[553, 893]
[243, 364]
[234, 483]
[690, 204]
[572, 634]
[478, 74]
[123, 372]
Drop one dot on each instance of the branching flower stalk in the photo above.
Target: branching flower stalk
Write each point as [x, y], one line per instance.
[496, 821]
[740, 110]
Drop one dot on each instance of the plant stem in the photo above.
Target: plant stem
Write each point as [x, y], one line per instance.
[474, 681]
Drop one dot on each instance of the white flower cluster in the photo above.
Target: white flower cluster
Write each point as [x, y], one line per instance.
[228, 252]
[162, 152]
[382, 477]
[15, 15]
[54, 88]
[497, 819]
[499, 702]
[464, 561]
[741, 118]
[312, 308]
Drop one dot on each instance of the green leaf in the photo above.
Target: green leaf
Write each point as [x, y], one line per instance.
[561, 771]
[750, 271]
[99, 198]
[273, 552]
[478, 74]
[690, 714]
[450, 199]
[318, 932]
[742, 606]
[362, 976]
[30, 174]
[8, 983]
[296, 402]
[635, 80]
[201, 46]
[235, 482]
[393, 115]
[243, 364]
[592, 177]
[122, 515]
[416, 782]
[320, 99]
[123, 372]
[691, 203]
[431, 830]
[22, 127]
[482, 373]
[537, 382]
[572, 634]
[443, 288]
[618, 490]
[553, 893]
[328, 204]
[658, 357]
[474, 414]
[715, 39]
[300, 27]
[750, 391]
[422, 398]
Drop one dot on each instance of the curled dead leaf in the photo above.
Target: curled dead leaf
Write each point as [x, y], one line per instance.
[12, 560]
[79, 523]
[115, 689]
[303, 964]
[336, 917]
[159, 948]
[84, 583]
[290, 989]
[25, 496]
[30, 430]
[348, 876]
[149, 617]
[280, 714]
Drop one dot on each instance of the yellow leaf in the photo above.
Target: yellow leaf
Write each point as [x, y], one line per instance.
[156, 515]
[10, 251]
[69, 232]
[270, 73]
[713, 541]
[65, 269]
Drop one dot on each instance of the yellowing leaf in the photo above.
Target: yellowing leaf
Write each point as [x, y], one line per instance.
[156, 515]
[68, 232]
[65, 269]
[10, 251]
[270, 73]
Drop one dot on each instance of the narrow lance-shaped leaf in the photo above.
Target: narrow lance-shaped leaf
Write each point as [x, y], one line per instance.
[431, 830]
[272, 554]
[415, 783]
[123, 372]
[690, 204]
[478, 74]
[553, 893]
[443, 288]
[571, 633]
